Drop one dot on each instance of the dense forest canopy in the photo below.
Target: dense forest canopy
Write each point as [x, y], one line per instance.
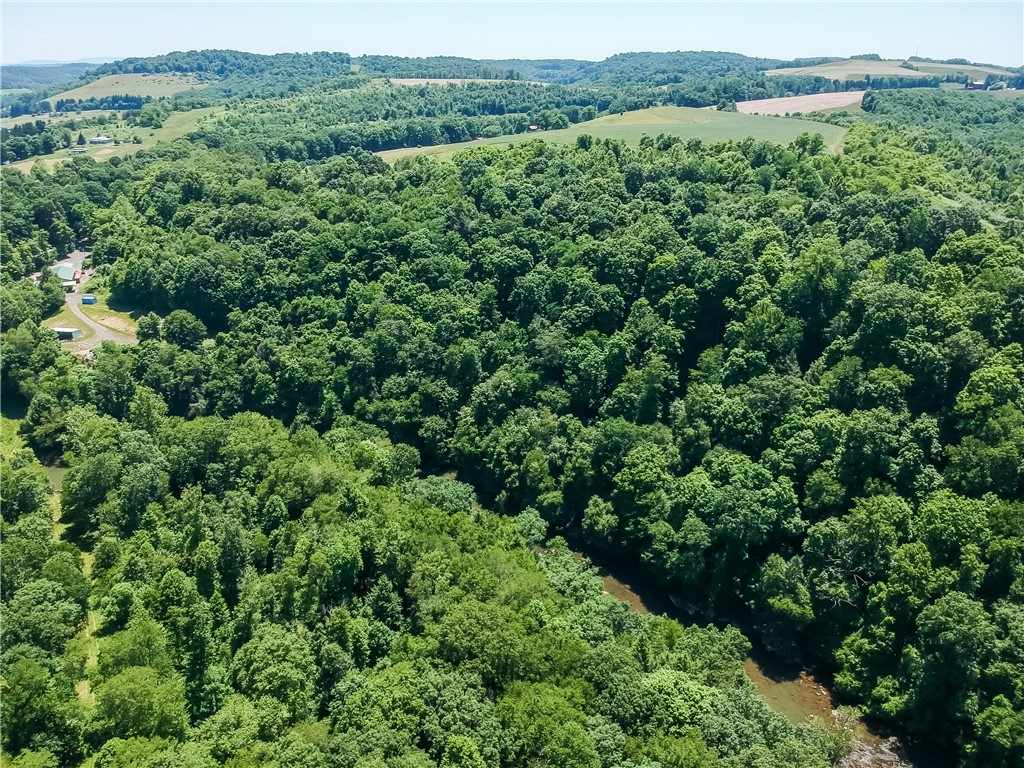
[315, 516]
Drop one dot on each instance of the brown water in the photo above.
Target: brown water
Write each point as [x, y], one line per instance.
[789, 690]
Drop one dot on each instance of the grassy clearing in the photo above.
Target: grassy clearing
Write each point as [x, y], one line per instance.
[121, 319]
[66, 319]
[1016, 94]
[87, 647]
[10, 438]
[704, 124]
[853, 109]
[156, 86]
[176, 126]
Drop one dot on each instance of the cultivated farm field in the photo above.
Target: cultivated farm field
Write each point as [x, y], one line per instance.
[687, 122]
[815, 102]
[131, 85]
[856, 69]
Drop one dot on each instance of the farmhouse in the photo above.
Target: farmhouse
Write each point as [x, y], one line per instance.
[101, 140]
[67, 334]
[975, 85]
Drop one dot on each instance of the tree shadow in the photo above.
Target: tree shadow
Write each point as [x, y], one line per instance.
[13, 407]
[132, 310]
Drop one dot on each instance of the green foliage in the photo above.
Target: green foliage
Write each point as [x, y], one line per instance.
[787, 384]
[136, 703]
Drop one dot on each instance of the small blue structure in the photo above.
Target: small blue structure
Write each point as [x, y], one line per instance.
[88, 298]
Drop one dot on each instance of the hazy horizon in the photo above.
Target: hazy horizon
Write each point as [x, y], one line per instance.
[988, 32]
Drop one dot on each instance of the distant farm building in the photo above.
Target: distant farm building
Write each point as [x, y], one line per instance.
[534, 128]
[101, 140]
[88, 298]
[67, 334]
[975, 85]
[79, 150]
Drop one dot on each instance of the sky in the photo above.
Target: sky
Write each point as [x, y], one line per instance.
[988, 32]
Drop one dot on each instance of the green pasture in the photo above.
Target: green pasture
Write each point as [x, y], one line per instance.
[704, 124]
[155, 85]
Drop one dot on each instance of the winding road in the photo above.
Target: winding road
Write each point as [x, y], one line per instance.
[100, 332]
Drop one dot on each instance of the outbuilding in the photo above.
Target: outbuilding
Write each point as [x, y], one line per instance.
[88, 298]
[101, 140]
[67, 334]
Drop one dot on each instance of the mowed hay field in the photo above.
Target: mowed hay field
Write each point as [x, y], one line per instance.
[131, 85]
[177, 125]
[849, 69]
[856, 69]
[815, 102]
[686, 122]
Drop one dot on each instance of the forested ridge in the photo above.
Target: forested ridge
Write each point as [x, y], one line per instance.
[789, 384]
[694, 78]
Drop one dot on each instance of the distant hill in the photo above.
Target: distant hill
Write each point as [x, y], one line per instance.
[295, 69]
[61, 62]
[622, 68]
[239, 73]
[34, 76]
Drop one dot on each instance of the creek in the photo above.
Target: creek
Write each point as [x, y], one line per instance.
[788, 688]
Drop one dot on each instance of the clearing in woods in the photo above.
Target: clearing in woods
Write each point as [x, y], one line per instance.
[814, 102]
[177, 125]
[856, 69]
[166, 84]
[686, 122]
